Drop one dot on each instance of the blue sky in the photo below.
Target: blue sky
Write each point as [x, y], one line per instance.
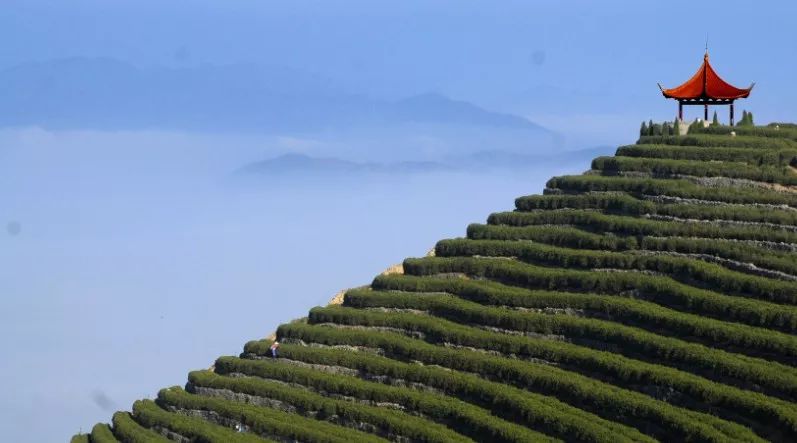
[595, 63]
[135, 257]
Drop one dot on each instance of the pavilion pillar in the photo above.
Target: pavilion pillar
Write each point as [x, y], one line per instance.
[731, 113]
[680, 111]
[705, 112]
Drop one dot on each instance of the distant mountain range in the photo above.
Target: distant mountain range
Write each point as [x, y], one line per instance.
[299, 165]
[103, 93]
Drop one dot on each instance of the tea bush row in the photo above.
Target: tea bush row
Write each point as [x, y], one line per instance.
[661, 290]
[473, 421]
[682, 268]
[604, 399]
[733, 337]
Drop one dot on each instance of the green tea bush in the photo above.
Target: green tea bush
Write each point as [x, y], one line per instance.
[619, 370]
[573, 237]
[732, 250]
[611, 201]
[601, 398]
[671, 187]
[729, 212]
[127, 430]
[720, 137]
[387, 421]
[265, 421]
[529, 408]
[760, 157]
[510, 226]
[688, 269]
[621, 203]
[101, 433]
[761, 132]
[671, 167]
[735, 337]
[659, 289]
[470, 420]
[150, 415]
[633, 342]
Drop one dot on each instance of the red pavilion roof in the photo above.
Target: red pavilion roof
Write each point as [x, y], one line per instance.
[706, 84]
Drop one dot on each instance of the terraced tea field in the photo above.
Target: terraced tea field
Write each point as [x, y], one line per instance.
[652, 298]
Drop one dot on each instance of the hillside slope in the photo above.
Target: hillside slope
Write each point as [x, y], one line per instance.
[652, 298]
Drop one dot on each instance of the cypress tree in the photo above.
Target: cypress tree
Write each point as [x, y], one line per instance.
[644, 129]
[744, 120]
[676, 127]
[715, 121]
[651, 128]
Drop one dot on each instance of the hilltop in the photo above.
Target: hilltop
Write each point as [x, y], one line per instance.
[653, 297]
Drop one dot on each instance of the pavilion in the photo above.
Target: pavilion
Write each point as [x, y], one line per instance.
[705, 88]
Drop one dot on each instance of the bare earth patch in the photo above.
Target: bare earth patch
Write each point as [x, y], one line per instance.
[337, 299]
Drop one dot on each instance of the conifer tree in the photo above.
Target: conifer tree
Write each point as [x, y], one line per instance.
[644, 129]
[743, 121]
[715, 121]
[747, 119]
[651, 128]
[676, 127]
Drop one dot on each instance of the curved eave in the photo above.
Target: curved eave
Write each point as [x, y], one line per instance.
[706, 85]
[668, 93]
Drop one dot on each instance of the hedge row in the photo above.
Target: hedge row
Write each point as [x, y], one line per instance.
[386, 422]
[150, 415]
[728, 249]
[769, 133]
[732, 250]
[563, 235]
[713, 140]
[473, 421]
[729, 402]
[528, 408]
[101, 433]
[600, 398]
[596, 221]
[761, 157]
[777, 380]
[128, 431]
[671, 187]
[612, 201]
[729, 212]
[671, 167]
[682, 268]
[265, 421]
[734, 337]
[623, 203]
[662, 290]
